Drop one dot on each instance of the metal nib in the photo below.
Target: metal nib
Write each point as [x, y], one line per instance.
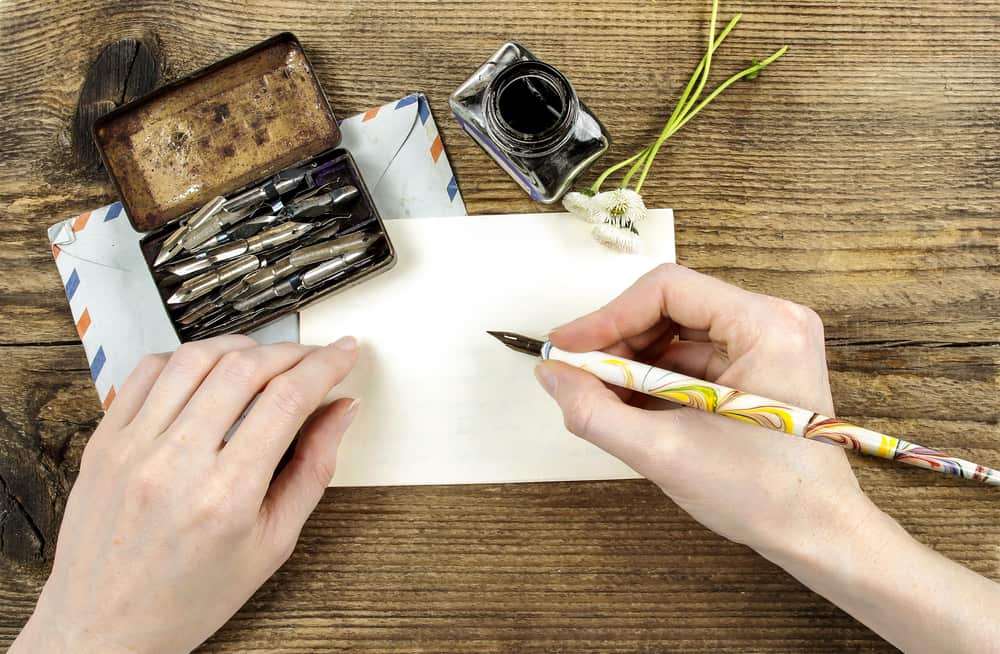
[188, 266]
[207, 227]
[195, 287]
[214, 300]
[174, 243]
[519, 343]
[316, 203]
[324, 271]
[206, 259]
[246, 229]
[330, 249]
[171, 248]
[278, 185]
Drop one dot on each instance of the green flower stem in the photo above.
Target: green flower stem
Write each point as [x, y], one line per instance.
[678, 112]
[703, 78]
[756, 68]
[700, 76]
[635, 167]
[596, 186]
[689, 104]
[671, 129]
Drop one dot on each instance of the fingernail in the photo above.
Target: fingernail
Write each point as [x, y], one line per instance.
[346, 343]
[352, 410]
[546, 378]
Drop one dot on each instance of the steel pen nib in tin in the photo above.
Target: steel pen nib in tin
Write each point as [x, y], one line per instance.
[298, 281]
[207, 227]
[325, 173]
[284, 233]
[315, 204]
[171, 247]
[225, 321]
[264, 277]
[323, 251]
[174, 243]
[324, 271]
[277, 186]
[205, 259]
[306, 256]
[246, 229]
[203, 284]
[270, 238]
[328, 228]
[216, 299]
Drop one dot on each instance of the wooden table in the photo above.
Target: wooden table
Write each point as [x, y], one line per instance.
[858, 175]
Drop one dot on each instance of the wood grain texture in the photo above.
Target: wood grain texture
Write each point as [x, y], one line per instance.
[124, 71]
[858, 175]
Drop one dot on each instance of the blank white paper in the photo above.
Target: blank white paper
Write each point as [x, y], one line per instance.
[442, 401]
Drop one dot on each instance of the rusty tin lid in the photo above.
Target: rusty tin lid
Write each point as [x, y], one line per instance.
[234, 123]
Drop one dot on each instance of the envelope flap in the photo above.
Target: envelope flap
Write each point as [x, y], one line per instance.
[376, 136]
[402, 158]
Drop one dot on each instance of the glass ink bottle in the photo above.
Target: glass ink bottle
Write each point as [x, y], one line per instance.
[525, 114]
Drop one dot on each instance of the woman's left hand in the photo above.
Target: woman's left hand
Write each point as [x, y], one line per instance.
[169, 530]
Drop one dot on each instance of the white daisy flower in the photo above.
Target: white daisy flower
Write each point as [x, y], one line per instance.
[582, 206]
[577, 203]
[621, 203]
[618, 236]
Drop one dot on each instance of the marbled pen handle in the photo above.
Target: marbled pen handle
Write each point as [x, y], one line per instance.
[757, 410]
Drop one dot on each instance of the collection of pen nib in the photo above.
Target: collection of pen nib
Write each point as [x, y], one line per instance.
[236, 260]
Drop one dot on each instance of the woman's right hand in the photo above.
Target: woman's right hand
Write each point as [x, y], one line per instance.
[795, 501]
[744, 482]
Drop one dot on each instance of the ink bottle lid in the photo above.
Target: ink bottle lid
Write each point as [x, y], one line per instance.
[530, 109]
[526, 115]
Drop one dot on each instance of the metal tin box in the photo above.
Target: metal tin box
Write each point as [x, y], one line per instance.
[221, 130]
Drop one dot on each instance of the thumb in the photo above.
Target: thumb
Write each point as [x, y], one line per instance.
[595, 413]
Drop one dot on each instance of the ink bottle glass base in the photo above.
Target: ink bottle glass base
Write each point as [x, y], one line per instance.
[525, 114]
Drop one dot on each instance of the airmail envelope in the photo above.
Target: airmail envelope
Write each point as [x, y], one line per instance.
[114, 302]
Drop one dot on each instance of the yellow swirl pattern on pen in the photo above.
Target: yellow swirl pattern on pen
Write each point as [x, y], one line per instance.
[772, 417]
[626, 367]
[887, 447]
[834, 432]
[700, 397]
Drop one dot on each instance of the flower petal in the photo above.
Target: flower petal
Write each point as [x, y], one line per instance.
[594, 209]
[606, 200]
[621, 202]
[636, 210]
[617, 238]
[576, 203]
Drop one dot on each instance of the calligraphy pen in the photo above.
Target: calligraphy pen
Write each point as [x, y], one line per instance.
[754, 409]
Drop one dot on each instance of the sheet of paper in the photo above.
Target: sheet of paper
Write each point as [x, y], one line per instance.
[443, 402]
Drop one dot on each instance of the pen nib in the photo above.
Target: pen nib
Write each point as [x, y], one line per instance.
[167, 252]
[519, 343]
[179, 297]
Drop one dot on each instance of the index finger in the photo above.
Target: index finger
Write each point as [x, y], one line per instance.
[282, 408]
[669, 294]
